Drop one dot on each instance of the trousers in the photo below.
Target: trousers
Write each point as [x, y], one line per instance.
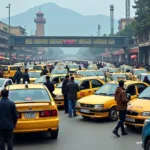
[71, 107]
[122, 117]
[6, 136]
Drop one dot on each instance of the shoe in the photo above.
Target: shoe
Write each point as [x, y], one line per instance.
[124, 133]
[116, 133]
[70, 116]
[75, 115]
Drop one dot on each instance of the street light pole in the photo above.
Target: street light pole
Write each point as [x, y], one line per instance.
[9, 48]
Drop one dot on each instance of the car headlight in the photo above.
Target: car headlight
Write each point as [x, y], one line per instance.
[59, 96]
[146, 122]
[77, 104]
[146, 113]
[99, 106]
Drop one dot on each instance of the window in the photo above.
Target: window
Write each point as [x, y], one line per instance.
[85, 85]
[131, 90]
[96, 83]
[62, 79]
[141, 87]
[5, 29]
[9, 83]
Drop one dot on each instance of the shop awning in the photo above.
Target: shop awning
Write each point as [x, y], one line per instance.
[133, 56]
[14, 57]
[2, 57]
[118, 52]
[134, 50]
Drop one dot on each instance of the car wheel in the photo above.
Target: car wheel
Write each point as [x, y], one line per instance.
[148, 145]
[129, 126]
[113, 116]
[85, 117]
[54, 134]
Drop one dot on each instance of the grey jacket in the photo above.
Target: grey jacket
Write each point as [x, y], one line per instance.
[71, 90]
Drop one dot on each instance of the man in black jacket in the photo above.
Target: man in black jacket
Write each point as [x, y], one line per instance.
[26, 77]
[18, 76]
[44, 71]
[64, 93]
[49, 85]
[71, 90]
[8, 120]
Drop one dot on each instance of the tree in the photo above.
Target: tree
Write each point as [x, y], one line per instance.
[128, 31]
[142, 18]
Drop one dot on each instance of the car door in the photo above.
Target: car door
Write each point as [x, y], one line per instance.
[141, 87]
[131, 89]
[96, 84]
[85, 89]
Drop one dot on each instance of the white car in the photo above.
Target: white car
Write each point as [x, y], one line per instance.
[5, 82]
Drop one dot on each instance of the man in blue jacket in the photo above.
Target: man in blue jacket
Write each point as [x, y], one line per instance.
[8, 120]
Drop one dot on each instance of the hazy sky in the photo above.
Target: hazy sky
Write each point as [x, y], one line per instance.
[85, 7]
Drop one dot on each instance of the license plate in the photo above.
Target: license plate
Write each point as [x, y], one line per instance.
[130, 119]
[85, 111]
[30, 115]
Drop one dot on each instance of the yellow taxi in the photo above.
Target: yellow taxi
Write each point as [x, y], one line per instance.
[85, 73]
[125, 68]
[102, 103]
[73, 68]
[39, 67]
[92, 67]
[115, 76]
[56, 79]
[137, 72]
[10, 70]
[37, 111]
[87, 86]
[33, 75]
[59, 71]
[138, 110]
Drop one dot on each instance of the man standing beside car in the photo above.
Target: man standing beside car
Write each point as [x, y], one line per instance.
[64, 93]
[71, 90]
[121, 100]
[8, 120]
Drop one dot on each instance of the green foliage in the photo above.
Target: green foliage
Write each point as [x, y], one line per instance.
[142, 17]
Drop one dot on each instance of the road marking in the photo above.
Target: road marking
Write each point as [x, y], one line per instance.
[139, 143]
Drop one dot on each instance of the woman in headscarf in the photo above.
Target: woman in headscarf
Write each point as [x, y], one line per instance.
[146, 80]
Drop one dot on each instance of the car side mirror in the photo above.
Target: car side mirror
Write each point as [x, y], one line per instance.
[128, 96]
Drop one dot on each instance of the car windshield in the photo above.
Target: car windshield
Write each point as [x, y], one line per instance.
[34, 74]
[99, 73]
[29, 95]
[112, 70]
[86, 73]
[60, 85]
[4, 68]
[107, 89]
[145, 94]
[137, 72]
[2, 82]
[73, 66]
[41, 79]
[116, 76]
[60, 71]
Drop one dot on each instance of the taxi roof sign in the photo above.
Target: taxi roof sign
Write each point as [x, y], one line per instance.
[121, 78]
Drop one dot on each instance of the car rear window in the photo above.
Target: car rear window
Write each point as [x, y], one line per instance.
[29, 95]
[4, 68]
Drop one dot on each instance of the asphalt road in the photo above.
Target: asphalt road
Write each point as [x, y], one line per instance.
[79, 134]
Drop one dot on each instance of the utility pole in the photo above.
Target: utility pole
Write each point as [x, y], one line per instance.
[99, 30]
[127, 11]
[112, 19]
[9, 48]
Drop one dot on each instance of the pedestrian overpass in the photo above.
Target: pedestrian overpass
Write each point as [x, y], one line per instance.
[68, 41]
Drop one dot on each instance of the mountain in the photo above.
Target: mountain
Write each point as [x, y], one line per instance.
[62, 21]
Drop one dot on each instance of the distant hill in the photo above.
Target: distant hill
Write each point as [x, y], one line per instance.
[62, 21]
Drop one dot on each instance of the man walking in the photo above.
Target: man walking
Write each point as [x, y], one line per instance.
[71, 90]
[44, 71]
[26, 77]
[64, 93]
[121, 100]
[18, 76]
[49, 85]
[8, 120]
